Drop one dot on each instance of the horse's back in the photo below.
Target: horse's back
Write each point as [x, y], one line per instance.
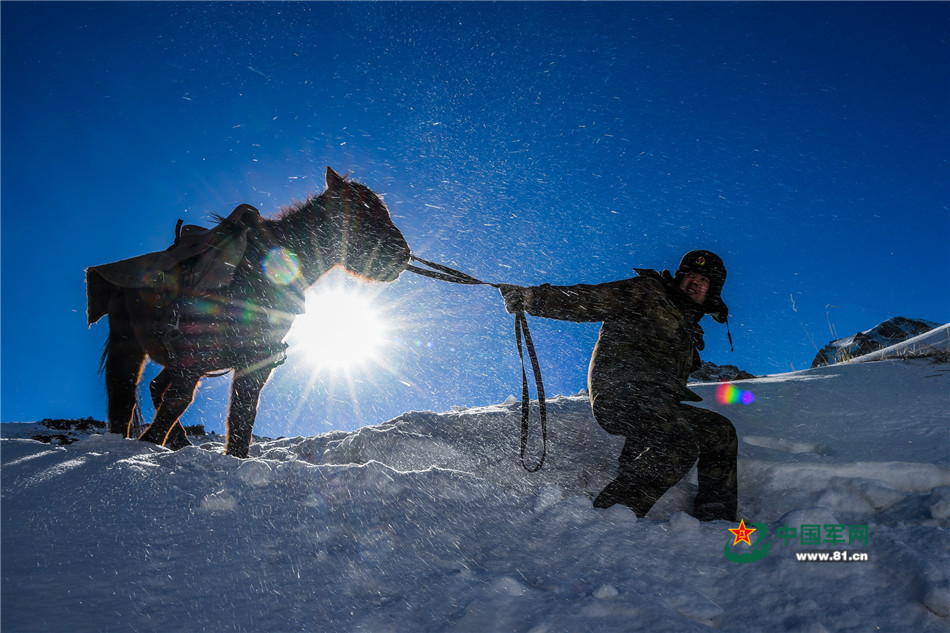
[207, 257]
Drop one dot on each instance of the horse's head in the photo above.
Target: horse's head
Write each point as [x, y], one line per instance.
[369, 243]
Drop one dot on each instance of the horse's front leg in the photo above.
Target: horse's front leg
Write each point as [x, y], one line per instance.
[245, 395]
[175, 398]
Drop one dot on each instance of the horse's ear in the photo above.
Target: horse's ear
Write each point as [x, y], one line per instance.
[334, 180]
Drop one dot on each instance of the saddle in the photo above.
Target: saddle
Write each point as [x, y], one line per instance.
[210, 255]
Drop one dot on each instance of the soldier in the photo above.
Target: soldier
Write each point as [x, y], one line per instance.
[648, 345]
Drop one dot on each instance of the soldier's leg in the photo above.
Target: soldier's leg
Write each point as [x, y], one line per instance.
[617, 417]
[655, 466]
[659, 451]
[718, 495]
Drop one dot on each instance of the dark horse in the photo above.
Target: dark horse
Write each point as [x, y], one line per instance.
[196, 329]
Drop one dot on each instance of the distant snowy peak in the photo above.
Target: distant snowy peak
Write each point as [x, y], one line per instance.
[711, 372]
[886, 334]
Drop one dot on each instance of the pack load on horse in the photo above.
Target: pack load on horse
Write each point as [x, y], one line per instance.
[223, 299]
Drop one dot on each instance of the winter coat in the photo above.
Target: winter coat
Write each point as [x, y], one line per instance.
[650, 337]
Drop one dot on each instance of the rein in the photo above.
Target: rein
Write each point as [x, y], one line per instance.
[444, 273]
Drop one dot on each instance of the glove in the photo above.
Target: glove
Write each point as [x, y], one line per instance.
[516, 297]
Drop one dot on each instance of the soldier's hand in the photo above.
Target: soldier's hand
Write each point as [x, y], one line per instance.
[516, 297]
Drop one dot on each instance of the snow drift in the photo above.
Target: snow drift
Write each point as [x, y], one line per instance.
[429, 523]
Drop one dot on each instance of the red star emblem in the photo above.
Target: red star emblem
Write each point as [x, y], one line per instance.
[742, 533]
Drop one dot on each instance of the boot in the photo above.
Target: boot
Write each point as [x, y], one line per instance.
[715, 511]
[628, 494]
[613, 494]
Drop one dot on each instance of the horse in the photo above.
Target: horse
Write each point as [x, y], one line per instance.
[236, 323]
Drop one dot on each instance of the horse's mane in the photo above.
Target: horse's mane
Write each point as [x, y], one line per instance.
[295, 207]
[282, 213]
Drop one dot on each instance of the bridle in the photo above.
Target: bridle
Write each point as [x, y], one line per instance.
[444, 273]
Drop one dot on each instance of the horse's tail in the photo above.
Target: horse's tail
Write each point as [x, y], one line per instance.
[105, 356]
[102, 295]
[137, 419]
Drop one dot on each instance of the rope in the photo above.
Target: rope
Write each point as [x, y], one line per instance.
[444, 273]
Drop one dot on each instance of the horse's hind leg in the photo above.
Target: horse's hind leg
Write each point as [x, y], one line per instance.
[157, 387]
[177, 438]
[123, 362]
[176, 398]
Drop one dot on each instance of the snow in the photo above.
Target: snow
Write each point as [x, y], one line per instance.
[429, 523]
[929, 343]
[887, 334]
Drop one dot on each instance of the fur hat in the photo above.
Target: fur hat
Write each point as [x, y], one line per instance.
[710, 266]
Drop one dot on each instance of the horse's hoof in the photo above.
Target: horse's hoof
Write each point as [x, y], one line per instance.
[152, 438]
[178, 444]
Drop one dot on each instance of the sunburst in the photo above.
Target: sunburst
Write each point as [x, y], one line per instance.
[341, 330]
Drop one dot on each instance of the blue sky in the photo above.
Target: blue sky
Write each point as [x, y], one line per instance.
[806, 143]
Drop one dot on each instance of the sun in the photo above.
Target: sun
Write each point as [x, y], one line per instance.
[340, 330]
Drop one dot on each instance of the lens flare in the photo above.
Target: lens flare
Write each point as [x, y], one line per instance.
[727, 393]
[281, 266]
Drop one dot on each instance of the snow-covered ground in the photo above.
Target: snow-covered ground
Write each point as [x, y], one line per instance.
[429, 523]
